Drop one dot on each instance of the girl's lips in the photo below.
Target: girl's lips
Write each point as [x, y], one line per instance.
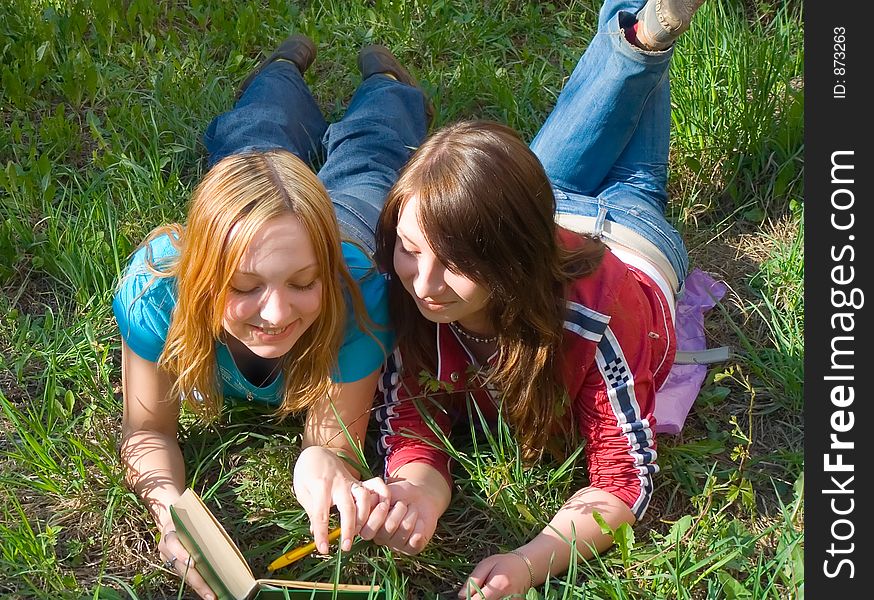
[266, 337]
[432, 305]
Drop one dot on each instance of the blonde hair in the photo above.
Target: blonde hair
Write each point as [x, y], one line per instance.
[241, 193]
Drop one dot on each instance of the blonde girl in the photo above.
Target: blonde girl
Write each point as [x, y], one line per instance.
[268, 292]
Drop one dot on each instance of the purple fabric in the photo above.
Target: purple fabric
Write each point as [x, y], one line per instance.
[675, 398]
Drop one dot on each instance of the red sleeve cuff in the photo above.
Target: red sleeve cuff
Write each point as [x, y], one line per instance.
[428, 456]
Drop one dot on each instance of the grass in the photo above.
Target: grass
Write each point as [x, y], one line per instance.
[103, 104]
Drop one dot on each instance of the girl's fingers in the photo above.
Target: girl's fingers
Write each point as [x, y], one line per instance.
[401, 537]
[364, 500]
[184, 566]
[318, 512]
[346, 506]
[395, 515]
[189, 574]
[379, 508]
[419, 539]
[375, 520]
[378, 487]
[473, 585]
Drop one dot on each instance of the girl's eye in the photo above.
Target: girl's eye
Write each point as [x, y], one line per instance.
[242, 292]
[306, 287]
[407, 252]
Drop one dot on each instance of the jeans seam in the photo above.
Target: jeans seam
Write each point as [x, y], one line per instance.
[644, 217]
[356, 213]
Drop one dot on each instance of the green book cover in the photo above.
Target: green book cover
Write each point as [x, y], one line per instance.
[221, 564]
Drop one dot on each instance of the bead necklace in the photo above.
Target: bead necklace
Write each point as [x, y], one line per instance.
[480, 340]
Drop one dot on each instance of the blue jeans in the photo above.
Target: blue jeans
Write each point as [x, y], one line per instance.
[605, 144]
[363, 151]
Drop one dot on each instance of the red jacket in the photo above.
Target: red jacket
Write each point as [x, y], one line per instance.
[618, 348]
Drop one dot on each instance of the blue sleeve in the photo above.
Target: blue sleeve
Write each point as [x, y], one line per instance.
[143, 306]
[360, 354]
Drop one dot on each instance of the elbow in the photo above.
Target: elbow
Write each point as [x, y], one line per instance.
[613, 508]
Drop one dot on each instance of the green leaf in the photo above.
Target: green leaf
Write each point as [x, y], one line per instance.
[107, 593]
[798, 487]
[713, 394]
[679, 529]
[693, 164]
[12, 86]
[69, 402]
[40, 52]
[605, 528]
[784, 178]
[733, 588]
[525, 513]
[755, 214]
[90, 81]
[624, 539]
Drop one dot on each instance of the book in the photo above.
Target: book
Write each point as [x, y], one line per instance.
[221, 564]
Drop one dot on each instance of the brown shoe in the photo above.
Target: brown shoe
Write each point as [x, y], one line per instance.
[376, 59]
[296, 48]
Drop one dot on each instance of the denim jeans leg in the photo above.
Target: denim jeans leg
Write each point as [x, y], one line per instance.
[634, 192]
[277, 110]
[599, 109]
[612, 8]
[605, 145]
[366, 149]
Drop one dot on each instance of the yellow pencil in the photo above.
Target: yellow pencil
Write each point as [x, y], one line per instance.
[298, 553]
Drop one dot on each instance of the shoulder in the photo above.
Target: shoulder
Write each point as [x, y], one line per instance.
[372, 283]
[364, 344]
[139, 277]
[157, 252]
[358, 262]
[143, 302]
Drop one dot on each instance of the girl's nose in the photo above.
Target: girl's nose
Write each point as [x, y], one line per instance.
[276, 308]
[429, 281]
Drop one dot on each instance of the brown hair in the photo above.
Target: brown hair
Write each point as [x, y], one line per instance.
[486, 207]
[240, 194]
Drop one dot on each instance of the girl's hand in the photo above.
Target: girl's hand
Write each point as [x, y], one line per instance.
[497, 576]
[322, 480]
[178, 560]
[412, 520]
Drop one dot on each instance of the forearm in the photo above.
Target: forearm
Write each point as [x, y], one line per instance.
[155, 470]
[550, 552]
[340, 421]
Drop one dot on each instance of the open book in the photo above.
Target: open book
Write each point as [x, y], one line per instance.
[223, 567]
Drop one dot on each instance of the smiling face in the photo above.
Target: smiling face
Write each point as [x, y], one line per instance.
[440, 295]
[276, 290]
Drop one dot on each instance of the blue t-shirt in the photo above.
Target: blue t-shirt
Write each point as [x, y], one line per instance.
[143, 307]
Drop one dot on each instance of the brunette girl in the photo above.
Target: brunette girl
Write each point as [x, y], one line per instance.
[565, 330]
[268, 293]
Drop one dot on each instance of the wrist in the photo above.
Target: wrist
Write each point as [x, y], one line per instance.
[327, 457]
[165, 524]
[528, 565]
[426, 477]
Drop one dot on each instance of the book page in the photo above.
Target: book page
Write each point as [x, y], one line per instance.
[216, 555]
[279, 589]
